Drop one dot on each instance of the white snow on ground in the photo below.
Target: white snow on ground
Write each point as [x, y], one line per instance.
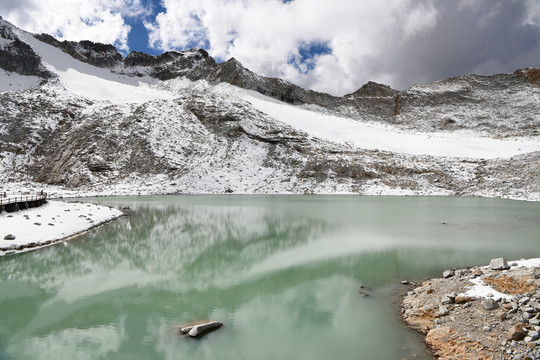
[377, 136]
[93, 82]
[14, 82]
[57, 220]
[482, 290]
[97, 88]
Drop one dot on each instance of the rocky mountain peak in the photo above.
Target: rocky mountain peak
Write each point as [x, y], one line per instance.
[137, 58]
[373, 89]
[168, 65]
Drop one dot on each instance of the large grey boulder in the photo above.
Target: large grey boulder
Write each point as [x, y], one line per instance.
[448, 273]
[499, 264]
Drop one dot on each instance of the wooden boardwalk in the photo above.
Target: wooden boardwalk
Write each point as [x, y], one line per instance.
[15, 202]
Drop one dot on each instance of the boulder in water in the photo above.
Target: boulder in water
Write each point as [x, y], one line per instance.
[200, 328]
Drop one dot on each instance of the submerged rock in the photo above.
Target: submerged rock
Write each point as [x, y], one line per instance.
[200, 328]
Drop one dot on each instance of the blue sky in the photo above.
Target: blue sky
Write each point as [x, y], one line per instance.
[331, 46]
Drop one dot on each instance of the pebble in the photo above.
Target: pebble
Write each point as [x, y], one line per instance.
[461, 272]
[443, 310]
[490, 304]
[524, 300]
[446, 300]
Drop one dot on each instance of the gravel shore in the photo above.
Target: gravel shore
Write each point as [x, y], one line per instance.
[489, 312]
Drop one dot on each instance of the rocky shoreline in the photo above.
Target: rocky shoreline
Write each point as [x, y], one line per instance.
[483, 312]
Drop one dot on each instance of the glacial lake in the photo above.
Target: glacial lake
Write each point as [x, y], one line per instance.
[281, 272]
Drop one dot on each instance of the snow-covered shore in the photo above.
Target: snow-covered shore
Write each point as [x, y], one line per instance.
[50, 223]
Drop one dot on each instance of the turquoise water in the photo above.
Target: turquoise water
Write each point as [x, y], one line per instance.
[281, 272]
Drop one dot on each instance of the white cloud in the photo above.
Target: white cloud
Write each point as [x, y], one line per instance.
[396, 42]
[265, 35]
[533, 12]
[96, 20]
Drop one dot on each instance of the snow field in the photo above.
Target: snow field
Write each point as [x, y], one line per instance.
[52, 221]
[93, 82]
[16, 82]
[376, 136]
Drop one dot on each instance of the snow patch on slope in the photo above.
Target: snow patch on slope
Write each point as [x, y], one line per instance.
[376, 136]
[10, 81]
[93, 82]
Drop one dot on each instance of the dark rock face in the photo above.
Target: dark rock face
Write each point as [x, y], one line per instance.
[20, 58]
[234, 73]
[168, 65]
[17, 56]
[97, 54]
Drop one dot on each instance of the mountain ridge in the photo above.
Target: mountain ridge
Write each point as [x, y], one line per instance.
[181, 123]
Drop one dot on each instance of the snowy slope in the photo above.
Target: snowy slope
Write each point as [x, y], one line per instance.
[10, 81]
[93, 82]
[365, 135]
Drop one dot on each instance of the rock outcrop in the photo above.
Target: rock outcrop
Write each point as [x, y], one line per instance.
[97, 54]
[17, 56]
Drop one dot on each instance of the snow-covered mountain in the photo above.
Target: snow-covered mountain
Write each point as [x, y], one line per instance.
[81, 119]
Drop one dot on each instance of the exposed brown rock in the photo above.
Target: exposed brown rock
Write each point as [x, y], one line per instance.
[516, 333]
[446, 344]
[509, 285]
